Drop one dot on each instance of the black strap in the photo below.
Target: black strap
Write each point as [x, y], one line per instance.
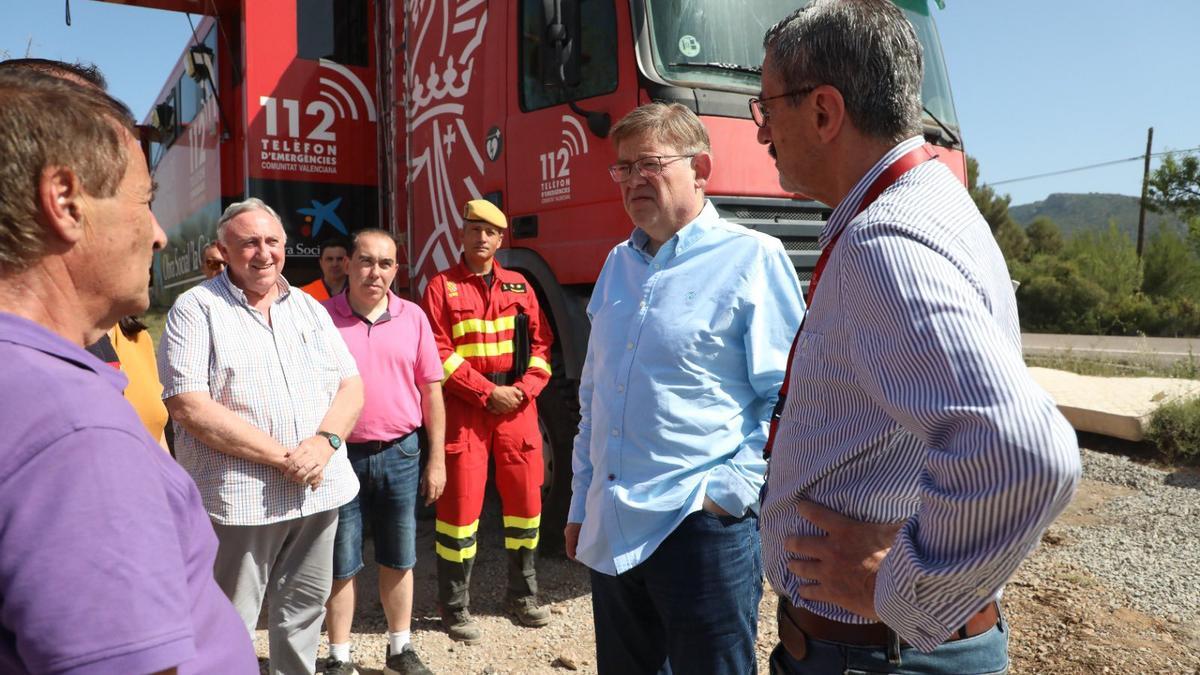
[521, 346]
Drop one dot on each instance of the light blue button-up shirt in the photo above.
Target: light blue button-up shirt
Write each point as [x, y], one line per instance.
[687, 352]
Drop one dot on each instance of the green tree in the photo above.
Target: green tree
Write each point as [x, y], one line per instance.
[1012, 241]
[1044, 236]
[1170, 268]
[1055, 296]
[1175, 188]
[1107, 259]
[994, 207]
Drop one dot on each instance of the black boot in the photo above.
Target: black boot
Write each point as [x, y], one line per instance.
[522, 588]
[454, 582]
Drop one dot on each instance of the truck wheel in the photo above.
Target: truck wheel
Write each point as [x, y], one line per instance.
[558, 420]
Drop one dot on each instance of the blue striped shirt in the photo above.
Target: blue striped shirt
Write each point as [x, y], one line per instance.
[686, 355]
[910, 401]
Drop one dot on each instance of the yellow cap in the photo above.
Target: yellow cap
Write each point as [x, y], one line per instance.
[486, 212]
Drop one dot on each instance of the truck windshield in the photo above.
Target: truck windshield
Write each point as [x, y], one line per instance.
[717, 44]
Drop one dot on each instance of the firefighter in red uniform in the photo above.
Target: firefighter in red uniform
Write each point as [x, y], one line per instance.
[495, 346]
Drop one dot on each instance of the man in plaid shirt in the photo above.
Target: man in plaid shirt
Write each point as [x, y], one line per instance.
[262, 389]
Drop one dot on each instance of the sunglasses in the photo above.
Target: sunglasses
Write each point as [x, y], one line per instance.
[215, 265]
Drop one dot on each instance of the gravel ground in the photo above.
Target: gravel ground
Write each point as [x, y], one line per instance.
[1115, 588]
[1145, 540]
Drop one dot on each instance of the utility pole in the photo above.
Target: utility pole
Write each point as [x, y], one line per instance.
[1145, 191]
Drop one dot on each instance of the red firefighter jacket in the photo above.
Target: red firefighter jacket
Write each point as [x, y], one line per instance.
[474, 324]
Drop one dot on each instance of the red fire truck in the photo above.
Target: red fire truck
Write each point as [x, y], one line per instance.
[344, 114]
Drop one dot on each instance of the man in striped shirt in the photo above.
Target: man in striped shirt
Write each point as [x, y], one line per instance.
[916, 463]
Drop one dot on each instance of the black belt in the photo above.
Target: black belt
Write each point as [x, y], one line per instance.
[372, 447]
[501, 379]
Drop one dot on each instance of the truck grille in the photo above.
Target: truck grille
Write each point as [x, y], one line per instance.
[797, 223]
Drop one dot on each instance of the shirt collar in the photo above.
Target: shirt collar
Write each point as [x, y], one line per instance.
[463, 272]
[26, 333]
[224, 281]
[341, 305]
[848, 208]
[685, 238]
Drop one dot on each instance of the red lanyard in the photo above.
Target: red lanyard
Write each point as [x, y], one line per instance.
[908, 161]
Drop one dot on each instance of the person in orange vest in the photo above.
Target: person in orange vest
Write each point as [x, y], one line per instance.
[333, 261]
[494, 343]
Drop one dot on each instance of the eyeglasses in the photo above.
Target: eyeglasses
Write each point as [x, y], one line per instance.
[647, 167]
[761, 115]
[215, 265]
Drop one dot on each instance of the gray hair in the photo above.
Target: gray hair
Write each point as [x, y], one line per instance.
[238, 208]
[671, 124]
[866, 49]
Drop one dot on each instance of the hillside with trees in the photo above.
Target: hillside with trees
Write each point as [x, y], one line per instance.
[1079, 212]
[1088, 279]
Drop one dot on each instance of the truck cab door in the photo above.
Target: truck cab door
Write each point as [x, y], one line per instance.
[559, 195]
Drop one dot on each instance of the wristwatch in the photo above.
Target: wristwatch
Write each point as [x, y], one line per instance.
[334, 440]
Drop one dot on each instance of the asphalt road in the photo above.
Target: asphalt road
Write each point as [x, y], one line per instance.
[1162, 351]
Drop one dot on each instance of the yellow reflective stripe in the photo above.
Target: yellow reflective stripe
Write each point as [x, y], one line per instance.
[451, 364]
[485, 348]
[456, 531]
[447, 553]
[538, 362]
[523, 523]
[513, 543]
[483, 326]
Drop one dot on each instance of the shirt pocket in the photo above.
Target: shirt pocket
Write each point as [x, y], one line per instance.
[315, 353]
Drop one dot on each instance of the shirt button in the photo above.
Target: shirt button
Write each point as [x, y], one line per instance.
[629, 346]
[620, 389]
[982, 592]
[612, 476]
[616, 432]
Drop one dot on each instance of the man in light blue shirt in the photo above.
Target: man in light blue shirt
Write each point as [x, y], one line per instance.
[692, 320]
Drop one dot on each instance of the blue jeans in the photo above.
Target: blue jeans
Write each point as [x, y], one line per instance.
[983, 654]
[389, 481]
[690, 608]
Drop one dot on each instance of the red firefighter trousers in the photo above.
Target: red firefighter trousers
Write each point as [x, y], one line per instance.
[515, 445]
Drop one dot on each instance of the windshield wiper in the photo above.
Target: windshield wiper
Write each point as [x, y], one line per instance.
[714, 65]
[945, 129]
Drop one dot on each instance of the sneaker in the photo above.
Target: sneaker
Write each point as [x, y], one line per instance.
[335, 667]
[405, 663]
[527, 611]
[461, 626]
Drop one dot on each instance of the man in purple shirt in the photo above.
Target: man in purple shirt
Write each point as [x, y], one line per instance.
[106, 553]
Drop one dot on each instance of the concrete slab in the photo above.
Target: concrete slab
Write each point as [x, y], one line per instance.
[1111, 406]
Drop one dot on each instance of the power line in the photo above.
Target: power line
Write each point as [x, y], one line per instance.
[1135, 158]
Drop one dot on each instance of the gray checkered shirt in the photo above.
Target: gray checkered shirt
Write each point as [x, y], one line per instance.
[280, 378]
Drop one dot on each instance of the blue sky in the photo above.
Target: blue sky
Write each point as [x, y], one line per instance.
[1040, 85]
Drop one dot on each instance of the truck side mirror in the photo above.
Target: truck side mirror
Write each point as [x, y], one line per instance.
[561, 58]
[163, 120]
[560, 55]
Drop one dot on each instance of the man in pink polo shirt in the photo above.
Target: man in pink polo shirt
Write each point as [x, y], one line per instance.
[394, 347]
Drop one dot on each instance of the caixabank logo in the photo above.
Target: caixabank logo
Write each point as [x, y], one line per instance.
[319, 215]
[313, 212]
